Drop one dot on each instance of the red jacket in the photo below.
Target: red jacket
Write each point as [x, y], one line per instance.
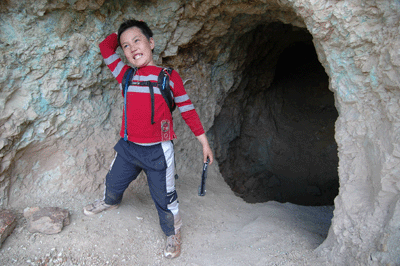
[140, 129]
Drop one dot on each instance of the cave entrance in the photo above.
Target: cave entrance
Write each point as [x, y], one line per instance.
[274, 136]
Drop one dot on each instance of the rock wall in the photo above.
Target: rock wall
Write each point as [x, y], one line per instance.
[60, 110]
[360, 59]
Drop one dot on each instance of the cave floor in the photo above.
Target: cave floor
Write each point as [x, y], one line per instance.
[219, 229]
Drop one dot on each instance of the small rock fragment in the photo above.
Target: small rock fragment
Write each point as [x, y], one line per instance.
[8, 222]
[48, 220]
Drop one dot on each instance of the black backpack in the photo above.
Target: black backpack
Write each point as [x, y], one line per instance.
[162, 84]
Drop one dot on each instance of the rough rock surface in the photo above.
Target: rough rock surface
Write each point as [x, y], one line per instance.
[60, 111]
[8, 221]
[47, 220]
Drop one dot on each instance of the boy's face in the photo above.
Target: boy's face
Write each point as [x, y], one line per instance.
[137, 48]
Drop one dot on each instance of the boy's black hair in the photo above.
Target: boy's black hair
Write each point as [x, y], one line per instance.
[135, 23]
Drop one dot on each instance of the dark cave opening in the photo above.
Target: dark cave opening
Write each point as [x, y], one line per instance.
[275, 133]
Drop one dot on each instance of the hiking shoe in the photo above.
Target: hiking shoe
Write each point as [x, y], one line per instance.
[98, 206]
[173, 247]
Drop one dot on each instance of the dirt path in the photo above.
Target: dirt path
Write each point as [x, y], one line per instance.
[219, 229]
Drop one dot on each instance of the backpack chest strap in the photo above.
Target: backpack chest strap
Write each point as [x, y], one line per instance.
[144, 83]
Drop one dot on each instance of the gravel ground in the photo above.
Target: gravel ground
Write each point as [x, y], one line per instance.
[219, 229]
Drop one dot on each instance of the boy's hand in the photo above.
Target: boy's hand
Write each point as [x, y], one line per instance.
[207, 152]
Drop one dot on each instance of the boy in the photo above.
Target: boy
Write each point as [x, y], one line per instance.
[147, 131]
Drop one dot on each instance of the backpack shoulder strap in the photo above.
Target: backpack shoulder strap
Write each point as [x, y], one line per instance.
[128, 76]
[163, 85]
[169, 70]
[126, 81]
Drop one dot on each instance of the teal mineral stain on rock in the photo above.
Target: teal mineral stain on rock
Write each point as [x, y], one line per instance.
[373, 77]
[345, 88]
[42, 106]
[27, 138]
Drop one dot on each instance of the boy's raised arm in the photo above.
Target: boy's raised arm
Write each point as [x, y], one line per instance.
[108, 48]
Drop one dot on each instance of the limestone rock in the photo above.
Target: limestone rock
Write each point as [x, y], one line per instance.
[7, 224]
[48, 220]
